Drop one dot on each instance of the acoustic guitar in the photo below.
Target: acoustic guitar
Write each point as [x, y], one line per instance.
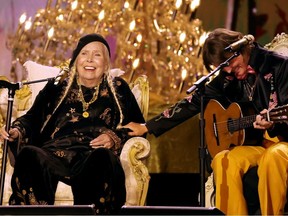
[225, 128]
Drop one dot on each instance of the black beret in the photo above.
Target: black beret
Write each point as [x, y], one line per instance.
[84, 41]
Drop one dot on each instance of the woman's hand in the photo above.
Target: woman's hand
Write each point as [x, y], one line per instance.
[261, 122]
[102, 141]
[11, 136]
[137, 129]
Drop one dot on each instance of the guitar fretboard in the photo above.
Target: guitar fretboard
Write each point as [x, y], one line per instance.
[241, 123]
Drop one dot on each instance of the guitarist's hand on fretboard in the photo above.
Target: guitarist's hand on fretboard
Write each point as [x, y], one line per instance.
[261, 122]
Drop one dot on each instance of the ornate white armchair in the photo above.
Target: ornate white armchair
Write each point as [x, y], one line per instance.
[134, 153]
[279, 44]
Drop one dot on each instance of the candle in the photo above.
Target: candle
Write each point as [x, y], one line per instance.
[73, 7]
[100, 18]
[131, 28]
[181, 39]
[27, 26]
[177, 6]
[193, 7]
[134, 66]
[201, 42]
[125, 6]
[22, 19]
[183, 77]
[50, 35]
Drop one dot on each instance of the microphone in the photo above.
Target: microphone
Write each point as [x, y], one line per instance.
[63, 74]
[247, 39]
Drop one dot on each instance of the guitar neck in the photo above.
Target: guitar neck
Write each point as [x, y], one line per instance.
[241, 123]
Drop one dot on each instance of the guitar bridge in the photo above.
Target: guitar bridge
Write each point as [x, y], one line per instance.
[215, 129]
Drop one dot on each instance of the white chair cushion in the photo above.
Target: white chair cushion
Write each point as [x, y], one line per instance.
[37, 71]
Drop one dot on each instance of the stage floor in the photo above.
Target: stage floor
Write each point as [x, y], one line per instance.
[173, 189]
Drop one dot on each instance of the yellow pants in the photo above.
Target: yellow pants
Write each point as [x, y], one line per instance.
[229, 166]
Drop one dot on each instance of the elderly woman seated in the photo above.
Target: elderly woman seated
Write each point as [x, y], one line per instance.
[75, 135]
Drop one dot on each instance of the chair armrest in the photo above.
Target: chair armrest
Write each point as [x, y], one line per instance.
[210, 191]
[137, 177]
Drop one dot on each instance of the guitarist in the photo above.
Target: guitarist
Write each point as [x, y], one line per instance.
[258, 77]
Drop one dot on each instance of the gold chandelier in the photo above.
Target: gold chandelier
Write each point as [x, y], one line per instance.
[159, 38]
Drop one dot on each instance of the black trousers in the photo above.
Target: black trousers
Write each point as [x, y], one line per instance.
[95, 175]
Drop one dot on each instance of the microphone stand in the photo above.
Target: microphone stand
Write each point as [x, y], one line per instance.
[199, 87]
[12, 87]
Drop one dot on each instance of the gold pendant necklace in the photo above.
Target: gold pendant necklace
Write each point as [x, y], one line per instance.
[85, 104]
[85, 114]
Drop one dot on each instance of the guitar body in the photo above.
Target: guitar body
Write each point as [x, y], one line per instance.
[218, 135]
[225, 128]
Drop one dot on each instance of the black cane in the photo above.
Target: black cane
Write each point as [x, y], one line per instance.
[11, 93]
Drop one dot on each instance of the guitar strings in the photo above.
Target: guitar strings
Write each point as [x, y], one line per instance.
[235, 124]
[279, 114]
